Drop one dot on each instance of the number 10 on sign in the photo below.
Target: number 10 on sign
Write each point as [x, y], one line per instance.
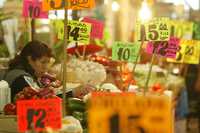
[125, 51]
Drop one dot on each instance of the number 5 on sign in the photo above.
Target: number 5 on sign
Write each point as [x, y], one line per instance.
[33, 9]
[125, 51]
[158, 29]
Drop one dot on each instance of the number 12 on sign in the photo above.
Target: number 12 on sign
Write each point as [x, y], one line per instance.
[125, 51]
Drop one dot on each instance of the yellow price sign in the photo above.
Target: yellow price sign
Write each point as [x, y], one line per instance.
[128, 113]
[72, 4]
[192, 51]
[77, 31]
[157, 29]
[189, 52]
[182, 29]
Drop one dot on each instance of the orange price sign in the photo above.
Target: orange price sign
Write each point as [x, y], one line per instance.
[72, 4]
[128, 113]
[38, 114]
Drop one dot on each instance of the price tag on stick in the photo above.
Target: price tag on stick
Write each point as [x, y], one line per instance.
[128, 113]
[158, 29]
[181, 29]
[39, 114]
[97, 27]
[125, 51]
[33, 9]
[196, 31]
[72, 4]
[164, 48]
[77, 31]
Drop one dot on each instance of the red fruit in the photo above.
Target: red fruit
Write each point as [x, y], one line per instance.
[45, 92]
[156, 87]
[45, 81]
[20, 96]
[10, 109]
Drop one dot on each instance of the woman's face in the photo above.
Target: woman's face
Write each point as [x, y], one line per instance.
[40, 66]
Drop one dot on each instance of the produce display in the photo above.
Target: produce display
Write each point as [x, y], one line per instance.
[85, 72]
[26, 94]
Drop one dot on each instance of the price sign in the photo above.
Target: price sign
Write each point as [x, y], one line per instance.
[140, 31]
[33, 9]
[72, 4]
[39, 114]
[188, 52]
[164, 48]
[77, 31]
[192, 51]
[157, 29]
[182, 29]
[125, 51]
[196, 31]
[97, 27]
[127, 113]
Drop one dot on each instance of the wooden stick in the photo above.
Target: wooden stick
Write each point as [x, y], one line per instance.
[65, 59]
[139, 53]
[84, 51]
[76, 50]
[149, 74]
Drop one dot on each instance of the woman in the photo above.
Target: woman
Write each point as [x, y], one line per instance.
[28, 66]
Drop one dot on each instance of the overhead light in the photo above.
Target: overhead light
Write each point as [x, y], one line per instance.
[145, 12]
[105, 2]
[115, 6]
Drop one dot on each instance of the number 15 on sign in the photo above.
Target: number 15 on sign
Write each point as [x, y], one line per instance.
[125, 51]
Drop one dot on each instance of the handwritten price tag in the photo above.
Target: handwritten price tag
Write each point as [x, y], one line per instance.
[39, 114]
[196, 31]
[124, 113]
[77, 31]
[157, 29]
[97, 27]
[164, 48]
[125, 51]
[182, 29]
[192, 50]
[33, 9]
[188, 52]
[72, 4]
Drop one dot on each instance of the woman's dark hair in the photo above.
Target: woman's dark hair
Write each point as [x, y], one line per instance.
[35, 49]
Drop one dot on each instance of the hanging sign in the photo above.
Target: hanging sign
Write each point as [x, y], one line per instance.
[72, 4]
[97, 27]
[157, 29]
[125, 51]
[164, 48]
[182, 29]
[196, 31]
[33, 9]
[77, 31]
[128, 113]
[39, 114]
[188, 52]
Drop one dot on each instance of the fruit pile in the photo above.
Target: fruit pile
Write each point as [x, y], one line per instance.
[86, 72]
[26, 94]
